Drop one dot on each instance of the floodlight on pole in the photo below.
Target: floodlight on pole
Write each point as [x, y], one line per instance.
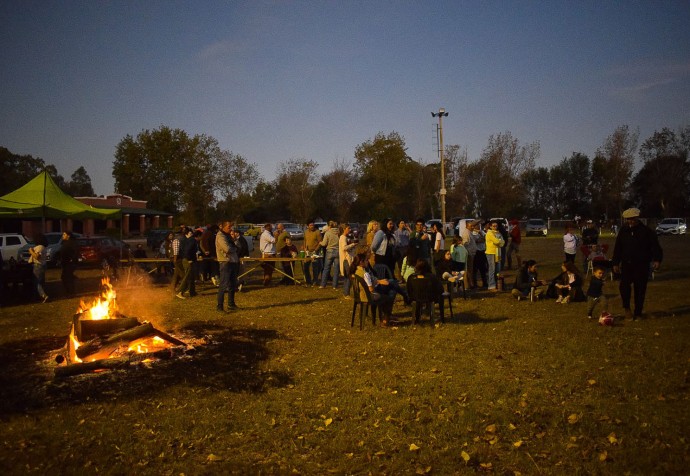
[440, 114]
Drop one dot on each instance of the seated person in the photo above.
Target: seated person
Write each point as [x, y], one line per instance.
[598, 257]
[287, 251]
[527, 280]
[444, 268]
[458, 254]
[408, 263]
[381, 294]
[567, 286]
[414, 288]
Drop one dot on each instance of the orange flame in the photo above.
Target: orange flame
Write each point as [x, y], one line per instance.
[103, 307]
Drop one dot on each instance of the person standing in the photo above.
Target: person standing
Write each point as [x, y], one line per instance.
[267, 246]
[402, 242]
[312, 238]
[346, 254]
[39, 260]
[229, 264]
[421, 241]
[330, 262]
[465, 228]
[636, 247]
[514, 245]
[383, 245]
[569, 245]
[494, 243]
[188, 249]
[69, 255]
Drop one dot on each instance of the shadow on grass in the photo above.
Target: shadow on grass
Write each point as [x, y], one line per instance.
[230, 362]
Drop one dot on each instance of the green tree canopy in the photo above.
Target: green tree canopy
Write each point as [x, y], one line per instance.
[385, 174]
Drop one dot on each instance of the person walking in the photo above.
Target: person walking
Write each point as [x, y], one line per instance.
[637, 247]
[39, 260]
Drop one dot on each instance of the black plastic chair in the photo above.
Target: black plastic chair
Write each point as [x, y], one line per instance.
[358, 284]
[423, 294]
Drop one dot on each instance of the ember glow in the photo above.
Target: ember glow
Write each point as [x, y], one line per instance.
[103, 307]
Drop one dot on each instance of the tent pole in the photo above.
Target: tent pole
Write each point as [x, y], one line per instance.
[43, 208]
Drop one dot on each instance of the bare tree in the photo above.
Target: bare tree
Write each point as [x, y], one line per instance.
[296, 182]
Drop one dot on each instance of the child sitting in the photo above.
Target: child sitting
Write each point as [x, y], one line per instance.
[595, 292]
[458, 254]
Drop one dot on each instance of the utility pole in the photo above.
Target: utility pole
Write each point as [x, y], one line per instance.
[440, 114]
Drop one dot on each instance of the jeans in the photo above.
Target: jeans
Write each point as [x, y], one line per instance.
[494, 269]
[40, 279]
[228, 283]
[330, 261]
[312, 269]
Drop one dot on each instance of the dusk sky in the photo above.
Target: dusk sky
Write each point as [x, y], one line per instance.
[279, 80]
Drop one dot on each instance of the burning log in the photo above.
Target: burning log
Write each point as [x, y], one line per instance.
[85, 329]
[118, 363]
[95, 345]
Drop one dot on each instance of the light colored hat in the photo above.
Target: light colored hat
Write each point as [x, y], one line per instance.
[631, 213]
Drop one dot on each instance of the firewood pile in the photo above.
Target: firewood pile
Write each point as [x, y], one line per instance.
[103, 339]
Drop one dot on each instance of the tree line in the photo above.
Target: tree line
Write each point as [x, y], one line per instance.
[193, 177]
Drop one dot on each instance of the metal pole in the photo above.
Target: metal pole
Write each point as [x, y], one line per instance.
[443, 169]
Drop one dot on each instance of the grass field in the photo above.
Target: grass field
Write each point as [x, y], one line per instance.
[286, 386]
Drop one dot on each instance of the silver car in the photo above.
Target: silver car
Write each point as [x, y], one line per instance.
[671, 226]
[536, 226]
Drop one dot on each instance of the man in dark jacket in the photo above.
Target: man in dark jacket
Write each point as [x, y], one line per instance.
[636, 247]
[69, 254]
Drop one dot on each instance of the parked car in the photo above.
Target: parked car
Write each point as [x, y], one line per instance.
[154, 238]
[95, 250]
[249, 229]
[432, 221]
[320, 225]
[503, 221]
[536, 226]
[10, 244]
[671, 226]
[295, 231]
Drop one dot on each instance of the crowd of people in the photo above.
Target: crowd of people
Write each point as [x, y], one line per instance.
[390, 256]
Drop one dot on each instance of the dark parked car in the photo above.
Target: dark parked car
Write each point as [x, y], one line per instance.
[154, 238]
[95, 250]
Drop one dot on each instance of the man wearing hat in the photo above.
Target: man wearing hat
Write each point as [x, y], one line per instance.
[636, 247]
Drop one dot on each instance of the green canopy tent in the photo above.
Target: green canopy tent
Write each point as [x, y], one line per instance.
[42, 198]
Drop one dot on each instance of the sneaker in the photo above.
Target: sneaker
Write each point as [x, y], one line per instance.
[180, 296]
[565, 300]
[589, 316]
[45, 299]
[322, 287]
[519, 298]
[233, 307]
[220, 309]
